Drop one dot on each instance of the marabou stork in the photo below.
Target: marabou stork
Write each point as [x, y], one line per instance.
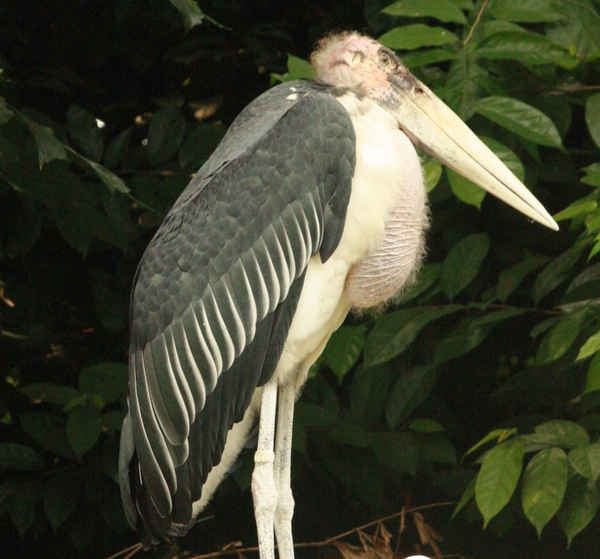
[312, 204]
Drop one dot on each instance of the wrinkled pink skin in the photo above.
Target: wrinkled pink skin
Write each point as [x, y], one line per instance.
[392, 267]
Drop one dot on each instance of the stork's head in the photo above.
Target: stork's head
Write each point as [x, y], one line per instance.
[351, 61]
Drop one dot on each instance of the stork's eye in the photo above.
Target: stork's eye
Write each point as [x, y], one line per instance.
[385, 60]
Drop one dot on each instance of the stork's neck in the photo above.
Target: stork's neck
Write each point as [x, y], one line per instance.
[388, 172]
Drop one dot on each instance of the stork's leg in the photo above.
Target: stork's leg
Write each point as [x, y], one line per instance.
[282, 473]
[264, 491]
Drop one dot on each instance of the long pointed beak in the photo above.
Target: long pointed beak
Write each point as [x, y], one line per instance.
[433, 127]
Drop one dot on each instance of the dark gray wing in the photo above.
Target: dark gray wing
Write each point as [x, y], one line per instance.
[217, 289]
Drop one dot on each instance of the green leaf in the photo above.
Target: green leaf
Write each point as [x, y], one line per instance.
[578, 29]
[83, 428]
[71, 202]
[584, 286]
[463, 338]
[463, 263]
[109, 380]
[559, 432]
[48, 431]
[544, 486]
[498, 477]
[299, 69]
[368, 392]
[527, 48]
[190, 12]
[411, 390]
[592, 381]
[592, 224]
[165, 133]
[592, 117]
[586, 461]
[428, 275]
[466, 83]
[526, 11]
[23, 503]
[595, 249]
[415, 36]
[583, 205]
[426, 426]
[510, 279]
[443, 10]
[591, 346]
[344, 348]
[85, 132]
[49, 148]
[394, 332]
[396, 450]
[432, 172]
[497, 316]
[554, 274]
[464, 4]
[592, 174]
[520, 118]
[56, 394]
[424, 57]
[435, 447]
[499, 435]
[116, 150]
[60, 498]
[112, 181]
[561, 337]
[466, 497]
[19, 457]
[465, 190]
[579, 507]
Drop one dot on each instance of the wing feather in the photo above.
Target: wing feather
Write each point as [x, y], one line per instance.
[275, 250]
[166, 395]
[268, 273]
[232, 317]
[259, 285]
[183, 353]
[185, 387]
[217, 289]
[151, 448]
[282, 234]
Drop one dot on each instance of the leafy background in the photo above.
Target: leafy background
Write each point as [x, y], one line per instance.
[479, 388]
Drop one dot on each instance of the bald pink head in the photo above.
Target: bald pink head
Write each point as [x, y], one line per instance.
[354, 61]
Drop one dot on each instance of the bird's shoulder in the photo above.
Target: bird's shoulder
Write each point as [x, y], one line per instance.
[262, 123]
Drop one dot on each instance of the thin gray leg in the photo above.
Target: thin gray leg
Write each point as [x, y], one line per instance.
[264, 491]
[282, 471]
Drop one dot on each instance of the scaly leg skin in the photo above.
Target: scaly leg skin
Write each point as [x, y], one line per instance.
[264, 491]
[282, 472]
